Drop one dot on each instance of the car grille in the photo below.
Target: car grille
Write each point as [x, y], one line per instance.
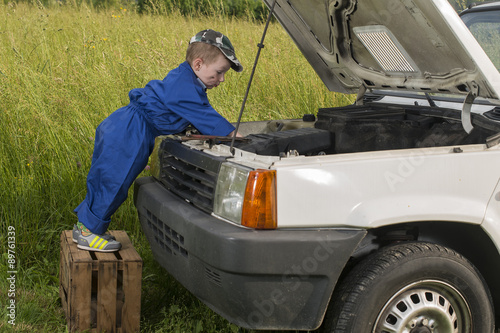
[167, 238]
[189, 173]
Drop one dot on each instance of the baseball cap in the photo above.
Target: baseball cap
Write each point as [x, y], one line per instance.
[217, 39]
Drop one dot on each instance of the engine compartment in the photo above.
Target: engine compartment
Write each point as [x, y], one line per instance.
[362, 128]
[304, 141]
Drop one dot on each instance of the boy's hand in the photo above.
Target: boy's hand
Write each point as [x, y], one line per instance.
[238, 135]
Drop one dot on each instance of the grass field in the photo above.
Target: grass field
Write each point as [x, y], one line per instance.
[62, 71]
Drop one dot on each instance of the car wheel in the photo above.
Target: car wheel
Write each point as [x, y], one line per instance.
[411, 288]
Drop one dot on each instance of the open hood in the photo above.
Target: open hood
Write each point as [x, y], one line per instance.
[412, 45]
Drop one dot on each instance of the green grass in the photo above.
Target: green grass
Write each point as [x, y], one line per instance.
[62, 71]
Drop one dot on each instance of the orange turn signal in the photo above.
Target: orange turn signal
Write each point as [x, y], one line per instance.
[259, 205]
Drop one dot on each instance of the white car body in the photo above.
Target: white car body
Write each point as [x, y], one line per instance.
[269, 232]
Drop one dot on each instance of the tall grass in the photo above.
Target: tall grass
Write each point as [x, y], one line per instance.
[62, 71]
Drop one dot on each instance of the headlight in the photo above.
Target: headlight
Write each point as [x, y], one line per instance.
[230, 191]
[246, 196]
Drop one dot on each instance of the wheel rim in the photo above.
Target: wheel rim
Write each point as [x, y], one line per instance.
[427, 306]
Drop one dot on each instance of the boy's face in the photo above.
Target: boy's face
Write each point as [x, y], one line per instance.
[211, 74]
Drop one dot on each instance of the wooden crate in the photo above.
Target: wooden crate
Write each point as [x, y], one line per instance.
[100, 292]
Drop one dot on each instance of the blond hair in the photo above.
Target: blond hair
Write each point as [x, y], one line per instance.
[208, 53]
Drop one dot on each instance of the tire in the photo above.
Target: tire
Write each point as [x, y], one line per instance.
[411, 288]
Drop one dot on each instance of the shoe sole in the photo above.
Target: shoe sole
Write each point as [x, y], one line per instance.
[87, 248]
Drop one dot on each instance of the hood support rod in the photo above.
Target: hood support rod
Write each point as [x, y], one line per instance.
[260, 46]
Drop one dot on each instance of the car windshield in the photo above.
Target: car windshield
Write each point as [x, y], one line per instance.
[485, 26]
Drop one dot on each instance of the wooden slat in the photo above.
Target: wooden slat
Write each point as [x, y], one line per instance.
[63, 266]
[76, 284]
[127, 252]
[79, 295]
[106, 296]
[132, 277]
[64, 275]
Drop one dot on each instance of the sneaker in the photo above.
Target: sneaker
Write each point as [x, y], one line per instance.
[99, 243]
[77, 232]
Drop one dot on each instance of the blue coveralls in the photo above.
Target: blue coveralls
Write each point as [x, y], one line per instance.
[124, 140]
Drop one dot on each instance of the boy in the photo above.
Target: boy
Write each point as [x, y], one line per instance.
[125, 139]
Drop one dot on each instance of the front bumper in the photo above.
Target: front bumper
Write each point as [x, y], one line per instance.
[257, 279]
